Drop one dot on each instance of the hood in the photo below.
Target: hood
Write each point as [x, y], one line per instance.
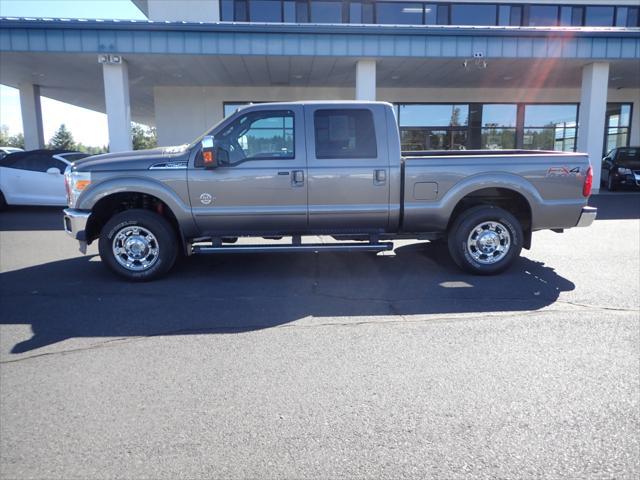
[134, 160]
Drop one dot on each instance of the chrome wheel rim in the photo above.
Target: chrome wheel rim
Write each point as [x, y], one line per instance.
[489, 242]
[135, 248]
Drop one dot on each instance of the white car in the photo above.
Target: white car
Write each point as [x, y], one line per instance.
[35, 177]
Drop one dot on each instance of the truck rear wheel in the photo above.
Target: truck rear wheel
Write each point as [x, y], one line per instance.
[138, 244]
[485, 240]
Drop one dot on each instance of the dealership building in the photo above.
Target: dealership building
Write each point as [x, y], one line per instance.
[461, 74]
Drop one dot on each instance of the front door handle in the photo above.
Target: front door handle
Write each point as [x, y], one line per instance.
[380, 177]
[297, 179]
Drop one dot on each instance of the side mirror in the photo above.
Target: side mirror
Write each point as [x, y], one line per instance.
[208, 152]
[53, 171]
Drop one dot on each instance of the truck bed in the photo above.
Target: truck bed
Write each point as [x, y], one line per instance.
[436, 181]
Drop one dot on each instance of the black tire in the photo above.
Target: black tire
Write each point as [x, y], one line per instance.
[611, 183]
[3, 202]
[163, 237]
[464, 225]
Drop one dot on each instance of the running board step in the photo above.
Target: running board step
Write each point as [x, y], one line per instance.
[305, 247]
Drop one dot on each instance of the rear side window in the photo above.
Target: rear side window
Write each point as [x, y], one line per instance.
[345, 134]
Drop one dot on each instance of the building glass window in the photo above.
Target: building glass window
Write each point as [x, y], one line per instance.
[633, 17]
[399, 13]
[289, 11]
[420, 115]
[510, 15]
[571, 16]
[361, 12]
[265, 11]
[617, 124]
[599, 16]
[326, 12]
[226, 11]
[478, 14]
[498, 126]
[231, 107]
[433, 126]
[443, 15]
[550, 127]
[543, 15]
[430, 14]
[413, 139]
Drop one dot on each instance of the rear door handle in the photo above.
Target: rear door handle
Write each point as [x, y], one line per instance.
[298, 178]
[379, 177]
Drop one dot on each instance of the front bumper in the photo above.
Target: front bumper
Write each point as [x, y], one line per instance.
[75, 223]
[587, 216]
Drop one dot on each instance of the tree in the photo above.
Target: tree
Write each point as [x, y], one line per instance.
[7, 140]
[143, 137]
[62, 139]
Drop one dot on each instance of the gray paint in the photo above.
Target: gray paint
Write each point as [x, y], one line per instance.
[338, 196]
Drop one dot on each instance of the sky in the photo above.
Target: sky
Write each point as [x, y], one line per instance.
[87, 127]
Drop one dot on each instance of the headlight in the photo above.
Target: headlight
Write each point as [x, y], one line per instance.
[624, 171]
[76, 183]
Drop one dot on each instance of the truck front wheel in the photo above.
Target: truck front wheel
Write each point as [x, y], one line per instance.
[485, 240]
[138, 244]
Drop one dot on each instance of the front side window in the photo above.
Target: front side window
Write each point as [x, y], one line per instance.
[345, 134]
[258, 136]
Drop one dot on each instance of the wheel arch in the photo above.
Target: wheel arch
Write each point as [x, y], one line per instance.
[109, 205]
[517, 201]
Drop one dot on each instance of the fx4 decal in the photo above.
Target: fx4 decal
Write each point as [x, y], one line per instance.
[563, 171]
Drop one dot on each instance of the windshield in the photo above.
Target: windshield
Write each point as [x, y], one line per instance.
[209, 130]
[628, 155]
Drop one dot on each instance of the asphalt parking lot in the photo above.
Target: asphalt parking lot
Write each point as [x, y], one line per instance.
[323, 365]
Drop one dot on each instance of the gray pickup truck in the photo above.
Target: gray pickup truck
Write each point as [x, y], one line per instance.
[318, 168]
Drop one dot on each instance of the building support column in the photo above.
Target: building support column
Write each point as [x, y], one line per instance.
[366, 80]
[31, 116]
[116, 99]
[634, 136]
[593, 107]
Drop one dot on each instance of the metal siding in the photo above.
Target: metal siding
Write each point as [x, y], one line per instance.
[36, 41]
[125, 42]
[539, 47]
[175, 42]
[449, 47]
[584, 48]
[308, 40]
[106, 41]
[141, 42]
[192, 43]
[614, 48]
[20, 41]
[599, 48]
[510, 47]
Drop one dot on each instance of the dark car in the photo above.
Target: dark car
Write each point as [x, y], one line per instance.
[621, 166]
